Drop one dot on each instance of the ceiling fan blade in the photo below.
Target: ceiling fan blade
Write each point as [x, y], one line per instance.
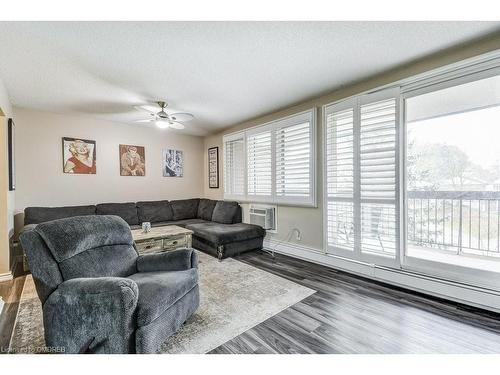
[175, 125]
[181, 116]
[147, 108]
[142, 121]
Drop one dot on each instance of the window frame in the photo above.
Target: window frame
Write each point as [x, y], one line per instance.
[457, 273]
[310, 116]
[464, 71]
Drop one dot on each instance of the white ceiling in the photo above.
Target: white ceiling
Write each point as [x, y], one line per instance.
[222, 72]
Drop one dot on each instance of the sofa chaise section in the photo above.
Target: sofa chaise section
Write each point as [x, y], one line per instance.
[224, 240]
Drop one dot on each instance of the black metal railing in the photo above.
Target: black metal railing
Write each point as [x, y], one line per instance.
[461, 222]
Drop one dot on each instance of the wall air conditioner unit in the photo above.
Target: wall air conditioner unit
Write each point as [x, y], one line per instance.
[264, 216]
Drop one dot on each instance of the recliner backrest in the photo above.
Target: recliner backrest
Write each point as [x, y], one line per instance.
[43, 266]
[90, 246]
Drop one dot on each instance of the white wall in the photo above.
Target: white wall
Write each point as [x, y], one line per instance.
[7, 109]
[7, 197]
[39, 164]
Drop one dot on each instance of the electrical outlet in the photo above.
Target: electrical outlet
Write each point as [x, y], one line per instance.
[298, 235]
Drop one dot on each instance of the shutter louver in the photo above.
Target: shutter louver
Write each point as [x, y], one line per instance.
[293, 162]
[259, 168]
[378, 177]
[340, 178]
[234, 174]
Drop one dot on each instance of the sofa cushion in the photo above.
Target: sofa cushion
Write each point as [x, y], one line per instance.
[160, 290]
[206, 208]
[185, 208]
[221, 234]
[238, 217]
[224, 212]
[127, 211]
[37, 215]
[180, 223]
[154, 211]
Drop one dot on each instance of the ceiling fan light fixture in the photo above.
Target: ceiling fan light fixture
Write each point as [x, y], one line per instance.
[162, 124]
[163, 119]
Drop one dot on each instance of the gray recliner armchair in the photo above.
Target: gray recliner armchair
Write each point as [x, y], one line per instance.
[99, 295]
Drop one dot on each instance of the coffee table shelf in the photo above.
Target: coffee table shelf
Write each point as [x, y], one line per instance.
[160, 239]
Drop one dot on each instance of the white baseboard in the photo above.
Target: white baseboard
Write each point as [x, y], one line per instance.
[5, 276]
[466, 294]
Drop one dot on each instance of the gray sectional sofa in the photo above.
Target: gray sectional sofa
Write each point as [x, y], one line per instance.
[217, 225]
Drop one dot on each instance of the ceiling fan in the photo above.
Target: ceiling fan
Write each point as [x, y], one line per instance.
[162, 119]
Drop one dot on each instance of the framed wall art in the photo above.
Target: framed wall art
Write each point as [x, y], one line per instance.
[213, 167]
[79, 156]
[11, 145]
[173, 163]
[132, 160]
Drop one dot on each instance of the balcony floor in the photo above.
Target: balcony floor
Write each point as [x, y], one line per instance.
[434, 255]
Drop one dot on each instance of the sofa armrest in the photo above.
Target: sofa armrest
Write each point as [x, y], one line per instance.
[176, 260]
[94, 315]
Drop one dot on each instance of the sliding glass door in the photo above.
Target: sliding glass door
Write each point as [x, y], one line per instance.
[452, 180]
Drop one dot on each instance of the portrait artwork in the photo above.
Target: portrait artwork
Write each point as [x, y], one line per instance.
[172, 163]
[132, 160]
[79, 156]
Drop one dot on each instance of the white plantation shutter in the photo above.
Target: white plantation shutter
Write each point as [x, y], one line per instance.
[273, 163]
[234, 162]
[361, 176]
[259, 164]
[378, 176]
[340, 177]
[294, 160]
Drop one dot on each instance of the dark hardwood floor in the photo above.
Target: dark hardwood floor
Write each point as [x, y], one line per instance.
[349, 314]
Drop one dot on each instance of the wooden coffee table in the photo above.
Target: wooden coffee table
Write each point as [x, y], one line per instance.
[160, 239]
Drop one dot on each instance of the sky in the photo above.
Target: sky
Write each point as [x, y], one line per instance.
[477, 133]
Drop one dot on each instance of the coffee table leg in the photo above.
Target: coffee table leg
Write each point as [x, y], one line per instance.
[220, 252]
[189, 241]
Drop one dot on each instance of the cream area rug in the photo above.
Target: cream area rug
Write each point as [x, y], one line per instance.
[234, 298]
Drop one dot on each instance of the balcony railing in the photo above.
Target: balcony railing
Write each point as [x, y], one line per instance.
[455, 222]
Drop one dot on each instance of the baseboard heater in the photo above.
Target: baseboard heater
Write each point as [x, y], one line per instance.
[445, 289]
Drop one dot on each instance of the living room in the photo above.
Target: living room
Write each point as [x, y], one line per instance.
[241, 187]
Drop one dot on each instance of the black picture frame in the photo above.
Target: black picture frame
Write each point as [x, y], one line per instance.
[213, 175]
[11, 150]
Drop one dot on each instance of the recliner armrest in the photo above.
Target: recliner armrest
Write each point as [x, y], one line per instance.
[176, 260]
[92, 315]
